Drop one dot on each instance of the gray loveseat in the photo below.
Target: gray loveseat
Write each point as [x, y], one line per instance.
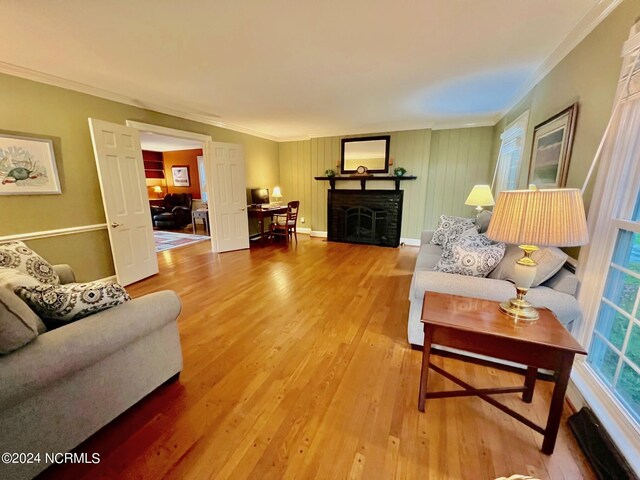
[69, 382]
[557, 293]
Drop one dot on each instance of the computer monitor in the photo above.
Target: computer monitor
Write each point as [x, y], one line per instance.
[259, 196]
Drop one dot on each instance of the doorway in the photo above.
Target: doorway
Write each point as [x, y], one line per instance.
[176, 186]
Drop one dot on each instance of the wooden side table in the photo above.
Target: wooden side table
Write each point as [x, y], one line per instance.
[477, 326]
[204, 216]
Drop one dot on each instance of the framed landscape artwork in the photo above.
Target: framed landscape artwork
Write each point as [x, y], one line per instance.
[551, 153]
[27, 166]
[180, 176]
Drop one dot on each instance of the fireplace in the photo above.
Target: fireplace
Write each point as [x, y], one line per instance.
[371, 217]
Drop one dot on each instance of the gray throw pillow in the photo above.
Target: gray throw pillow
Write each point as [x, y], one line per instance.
[18, 324]
[482, 220]
[472, 255]
[17, 255]
[65, 303]
[549, 259]
[451, 229]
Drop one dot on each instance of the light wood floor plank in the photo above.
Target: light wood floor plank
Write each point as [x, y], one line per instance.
[296, 366]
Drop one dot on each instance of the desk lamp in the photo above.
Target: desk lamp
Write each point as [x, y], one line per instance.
[277, 195]
[531, 219]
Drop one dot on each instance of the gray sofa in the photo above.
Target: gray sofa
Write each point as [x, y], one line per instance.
[557, 293]
[69, 382]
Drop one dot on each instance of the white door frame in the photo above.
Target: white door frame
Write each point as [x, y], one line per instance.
[172, 132]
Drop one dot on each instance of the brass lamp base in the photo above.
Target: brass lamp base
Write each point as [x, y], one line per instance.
[519, 310]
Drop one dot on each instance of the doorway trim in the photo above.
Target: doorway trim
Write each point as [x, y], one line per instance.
[172, 132]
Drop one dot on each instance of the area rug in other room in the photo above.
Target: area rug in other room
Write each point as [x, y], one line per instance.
[169, 240]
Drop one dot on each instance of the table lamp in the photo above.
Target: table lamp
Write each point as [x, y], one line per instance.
[157, 190]
[277, 195]
[532, 219]
[479, 197]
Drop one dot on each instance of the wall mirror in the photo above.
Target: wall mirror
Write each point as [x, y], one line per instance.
[369, 152]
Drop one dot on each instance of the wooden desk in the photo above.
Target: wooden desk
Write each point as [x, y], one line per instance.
[262, 213]
[202, 215]
[477, 326]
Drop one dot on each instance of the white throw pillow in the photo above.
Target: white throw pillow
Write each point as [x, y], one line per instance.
[472, 255]
[451, 229]
[17, 255]
[74, 300]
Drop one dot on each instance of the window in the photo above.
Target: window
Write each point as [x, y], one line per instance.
[510, 157]
[609, 271]
[614, 353]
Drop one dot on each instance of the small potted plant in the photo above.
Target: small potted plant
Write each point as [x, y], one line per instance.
[329, 173]
[399, 171]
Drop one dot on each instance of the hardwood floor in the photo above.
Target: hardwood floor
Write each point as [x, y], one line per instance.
[296, 365]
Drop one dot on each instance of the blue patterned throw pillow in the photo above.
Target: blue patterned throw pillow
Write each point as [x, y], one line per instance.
[20, 257]
[73, 301]
[451, 229]
[472, 255]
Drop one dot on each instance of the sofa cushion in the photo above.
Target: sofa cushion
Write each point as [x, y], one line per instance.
[72, 301]
[18, 323]
[549, 259]
[471, 255]
[61, 352]
[17, 255]
[10, 279]
[450, 229]
[428, 256]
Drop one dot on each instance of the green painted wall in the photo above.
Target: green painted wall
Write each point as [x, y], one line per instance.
[447, 163]
[31, 108]
[587, 75]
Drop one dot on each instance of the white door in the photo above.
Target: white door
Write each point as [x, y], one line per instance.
[227, 196]
[124, 196]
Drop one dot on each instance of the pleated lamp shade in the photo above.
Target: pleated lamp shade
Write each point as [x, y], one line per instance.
[542, 217]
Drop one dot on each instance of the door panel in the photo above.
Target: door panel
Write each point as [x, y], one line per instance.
[227, 191]
[124, 196]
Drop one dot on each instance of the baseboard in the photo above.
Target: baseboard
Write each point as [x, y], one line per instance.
[410, 242]
[317, 233]
[304, 230]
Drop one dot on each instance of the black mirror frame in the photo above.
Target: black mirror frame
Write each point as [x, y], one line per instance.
[387, 139]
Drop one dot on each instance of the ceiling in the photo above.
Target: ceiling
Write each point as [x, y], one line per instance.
[162, 143]
[296, 69]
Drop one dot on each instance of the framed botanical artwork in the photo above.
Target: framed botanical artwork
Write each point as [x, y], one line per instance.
[551, 153]
[180, 175]
[27, 166]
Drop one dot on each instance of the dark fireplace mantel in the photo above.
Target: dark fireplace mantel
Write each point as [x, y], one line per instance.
[372, 217]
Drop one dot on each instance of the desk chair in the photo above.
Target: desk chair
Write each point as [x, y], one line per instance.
[286, 224]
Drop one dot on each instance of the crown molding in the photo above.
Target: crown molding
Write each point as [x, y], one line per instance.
[41, 77]
[584, 27]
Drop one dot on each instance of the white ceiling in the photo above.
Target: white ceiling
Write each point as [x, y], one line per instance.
[161, 143]
[292, 69]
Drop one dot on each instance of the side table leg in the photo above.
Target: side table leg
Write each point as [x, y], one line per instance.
[424, 373]
[529, 384]
[557, 402]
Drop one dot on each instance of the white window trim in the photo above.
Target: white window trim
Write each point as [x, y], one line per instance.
[611, 195]
[517, 128]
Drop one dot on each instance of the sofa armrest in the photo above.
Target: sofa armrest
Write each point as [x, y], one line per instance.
[65, 272]
[157, 210]
[426, 236]
[68, 349]
[181, 210]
